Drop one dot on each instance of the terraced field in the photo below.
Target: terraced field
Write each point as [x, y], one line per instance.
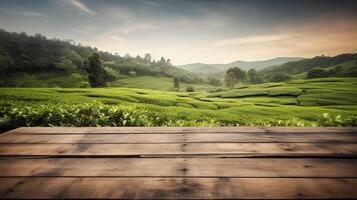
[154, 83]
[314, 102]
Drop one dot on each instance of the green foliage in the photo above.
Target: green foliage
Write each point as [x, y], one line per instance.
[317, 73]
[313, 102]
[244, 93]
[112, 75]
[285, 91]
[190, 88]
[155, 83]
[21, 53]
[253, 76]
[65, 64]
[96, 74]
[233, 76]
[132, 73]
[14, 115]
[280, 77]
[214, 81]
[176, 84]
[305, 65]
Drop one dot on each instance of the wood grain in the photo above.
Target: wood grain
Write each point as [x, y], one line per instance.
[178, 188]
[248, 149]
[179, 167]
[178, 163]
[182, 138]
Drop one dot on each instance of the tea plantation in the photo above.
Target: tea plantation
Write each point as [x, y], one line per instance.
[312, 102]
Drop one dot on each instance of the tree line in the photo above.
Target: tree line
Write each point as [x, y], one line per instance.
[284, 71]
[317, 67]
[23, 53]
[235, 75]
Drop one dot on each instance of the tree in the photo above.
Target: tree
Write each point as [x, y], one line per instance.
[316, 73]
[65, 64]
[279, 77]
[168, 62]
[214, 81]
[253, 76]
[22, 53]
[96, 73]
[176, 83]
[147, 57]
[233, 76]
[190, 88]
[162, 62]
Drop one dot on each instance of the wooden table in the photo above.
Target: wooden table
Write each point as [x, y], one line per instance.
[178, 163]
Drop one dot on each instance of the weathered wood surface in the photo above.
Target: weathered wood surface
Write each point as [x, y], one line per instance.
[177, 188]
[157, 150]
[182, 138]
[177, 167]
[178, 163]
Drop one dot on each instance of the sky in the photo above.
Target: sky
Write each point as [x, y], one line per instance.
[190, 31]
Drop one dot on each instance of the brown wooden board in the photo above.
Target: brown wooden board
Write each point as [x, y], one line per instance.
[248, 149]
[178, 188]
[178, 163]
[178, 167]
[183, 138]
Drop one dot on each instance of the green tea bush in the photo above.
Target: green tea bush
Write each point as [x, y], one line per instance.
[13, 115]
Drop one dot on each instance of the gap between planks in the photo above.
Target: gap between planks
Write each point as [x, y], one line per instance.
[134, 130]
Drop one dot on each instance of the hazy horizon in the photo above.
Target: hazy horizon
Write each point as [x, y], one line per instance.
[202, 31]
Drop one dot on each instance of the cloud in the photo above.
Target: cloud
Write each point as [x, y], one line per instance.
[80, 6]
[138, 27]
[250, 40]
[30, 14]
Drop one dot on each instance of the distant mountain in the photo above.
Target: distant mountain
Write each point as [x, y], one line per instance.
[245, 65]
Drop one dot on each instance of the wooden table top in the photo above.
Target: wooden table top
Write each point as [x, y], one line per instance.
[178, 163]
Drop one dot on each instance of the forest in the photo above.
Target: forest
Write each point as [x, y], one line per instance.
[24, 58]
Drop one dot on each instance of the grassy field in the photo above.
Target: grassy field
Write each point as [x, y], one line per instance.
[314, 102]
[76, 80]
[154, 83]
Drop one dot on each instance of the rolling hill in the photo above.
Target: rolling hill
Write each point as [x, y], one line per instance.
[344, 65]
[36, 61]
[245, 65]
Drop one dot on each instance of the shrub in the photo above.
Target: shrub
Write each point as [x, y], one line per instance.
[279, 77]
[317, 73]
[190, 88]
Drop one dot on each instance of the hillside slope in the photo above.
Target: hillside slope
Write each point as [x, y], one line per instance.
[301, 67]
[257, 65]
[35, 61]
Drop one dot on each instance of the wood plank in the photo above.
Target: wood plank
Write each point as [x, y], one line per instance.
[121, 130]
[178, 167]
[311, 129]
[272, 137]
[178, 188]
[238, 149]
[180, 138]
